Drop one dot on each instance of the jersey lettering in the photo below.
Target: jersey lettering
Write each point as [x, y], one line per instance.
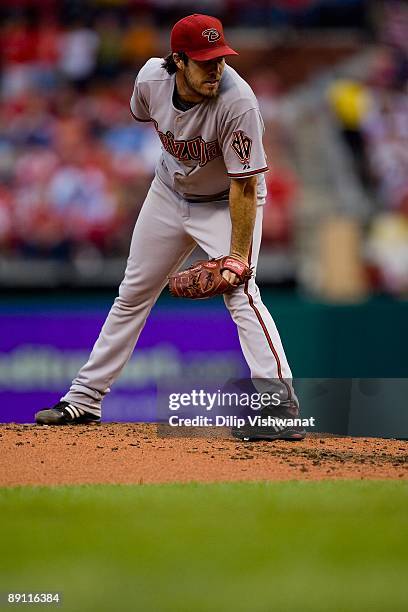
[186, 150]
[242, 146]
[180, 148]
[193, 148]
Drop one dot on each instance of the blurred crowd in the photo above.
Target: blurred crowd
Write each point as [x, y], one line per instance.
[73, 168]
[372, 116]
[74, 165]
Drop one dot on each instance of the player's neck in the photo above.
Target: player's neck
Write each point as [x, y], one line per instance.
[185, 92]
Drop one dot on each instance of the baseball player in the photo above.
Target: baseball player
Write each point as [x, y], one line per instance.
[208, 189]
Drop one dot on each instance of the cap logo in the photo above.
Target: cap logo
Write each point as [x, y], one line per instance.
[211, 34]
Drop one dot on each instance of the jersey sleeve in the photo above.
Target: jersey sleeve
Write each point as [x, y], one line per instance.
[242, 145]
[138, 104]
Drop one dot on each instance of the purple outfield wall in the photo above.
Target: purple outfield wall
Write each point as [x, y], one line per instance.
[40, 354]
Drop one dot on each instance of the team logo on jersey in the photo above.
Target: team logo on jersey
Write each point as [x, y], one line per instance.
[211, 34]
[242, 145]
[186, 150]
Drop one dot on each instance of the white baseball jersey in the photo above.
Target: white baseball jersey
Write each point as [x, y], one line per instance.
[205, 146]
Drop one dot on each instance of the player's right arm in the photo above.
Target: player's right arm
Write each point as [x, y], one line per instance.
[138, 105]
[139, 102]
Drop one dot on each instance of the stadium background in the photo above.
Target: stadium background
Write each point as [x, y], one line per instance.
[74, 167]
[331, 79]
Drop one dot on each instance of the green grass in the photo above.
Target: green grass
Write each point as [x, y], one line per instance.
[301, 546]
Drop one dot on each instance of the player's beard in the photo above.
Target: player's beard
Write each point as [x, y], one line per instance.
[196, 86]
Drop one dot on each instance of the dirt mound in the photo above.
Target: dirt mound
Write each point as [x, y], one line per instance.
[145, 453]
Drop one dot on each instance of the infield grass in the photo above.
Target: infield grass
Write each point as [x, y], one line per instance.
[291, 546]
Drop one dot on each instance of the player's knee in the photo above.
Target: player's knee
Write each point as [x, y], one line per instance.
[236, 298]
[132, 295]
[241, 297]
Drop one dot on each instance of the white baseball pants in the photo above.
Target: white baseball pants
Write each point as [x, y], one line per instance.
[167, 230]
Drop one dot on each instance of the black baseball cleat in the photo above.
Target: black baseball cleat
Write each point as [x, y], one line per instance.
[65, 413]
[270, 424]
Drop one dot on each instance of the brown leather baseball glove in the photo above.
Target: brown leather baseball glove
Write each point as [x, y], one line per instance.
[204, 278]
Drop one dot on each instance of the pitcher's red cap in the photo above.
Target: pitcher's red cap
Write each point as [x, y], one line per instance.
[201, 37]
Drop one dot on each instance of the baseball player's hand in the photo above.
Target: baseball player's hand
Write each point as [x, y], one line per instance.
[207, 278]
[230, 276]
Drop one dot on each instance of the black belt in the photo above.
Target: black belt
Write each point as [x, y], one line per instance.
[223, 195]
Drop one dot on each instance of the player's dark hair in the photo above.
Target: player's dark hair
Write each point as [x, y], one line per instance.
[170, 65]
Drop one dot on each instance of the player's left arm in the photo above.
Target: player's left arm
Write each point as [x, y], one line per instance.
[244, 157]
[242, 203]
